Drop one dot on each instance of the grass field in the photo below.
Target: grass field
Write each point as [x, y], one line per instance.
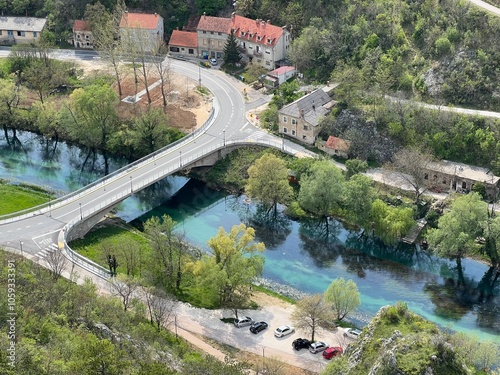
[19, 197]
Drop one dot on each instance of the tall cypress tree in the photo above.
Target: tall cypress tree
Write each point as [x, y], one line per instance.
[231, 53]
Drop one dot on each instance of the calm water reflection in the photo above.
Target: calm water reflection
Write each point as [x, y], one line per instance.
[306, 255]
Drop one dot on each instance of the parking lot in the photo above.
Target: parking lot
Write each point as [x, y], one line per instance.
[208, 323]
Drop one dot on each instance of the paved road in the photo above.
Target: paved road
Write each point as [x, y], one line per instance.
[486, 6]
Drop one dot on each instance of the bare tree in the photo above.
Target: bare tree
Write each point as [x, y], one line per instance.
[412, 166]
[162, 67]
[271, 366]
[310, 313]
[161, 307]
[124, 288]
[131, 255]
[57, 262]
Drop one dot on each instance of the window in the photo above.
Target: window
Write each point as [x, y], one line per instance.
[269, 41]
[242, 33]
[78, 36]
[268, 51]
[88, 43]
[464, 185]
[294, 121]
[426, 176]
[306, 127]
[285, 130]
[21, 33]
[174, 49]
[221, 43]
[86, 36]
[219, 33]
[304, 138]
[205, 41]
[268, 63]
[444, 181]
[204, 32]
[250, 46]
[191, 51]
[182, 49]
[10, 33]
[285, 119]
[293, 132]
[211, 32]
[0, 32]
[259, 38]
[35, 34]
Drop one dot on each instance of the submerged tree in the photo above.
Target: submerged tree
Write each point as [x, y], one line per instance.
[268, 182]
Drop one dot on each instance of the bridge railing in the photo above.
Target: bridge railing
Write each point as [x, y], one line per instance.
[101, 271]
[47, 207]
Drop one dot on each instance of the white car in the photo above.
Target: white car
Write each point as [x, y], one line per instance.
[213, 61]
[282, 331]
[352, 333]
[243, 321]
[318, 346]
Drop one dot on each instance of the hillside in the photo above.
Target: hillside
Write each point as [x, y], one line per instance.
[397, 341]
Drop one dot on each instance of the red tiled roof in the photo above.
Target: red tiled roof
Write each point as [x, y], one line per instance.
[183, 39]
[337, 144]
[216, 24]
[140, 20]
[81, 25]
[255, 29]
[281, 70]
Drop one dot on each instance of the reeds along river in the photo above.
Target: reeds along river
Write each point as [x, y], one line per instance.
[300, 255]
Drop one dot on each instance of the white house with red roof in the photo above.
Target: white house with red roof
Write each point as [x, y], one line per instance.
[183, 43]
[335, 146]
[142, 30]
[82, 35]
[279, 76]
[261, 42]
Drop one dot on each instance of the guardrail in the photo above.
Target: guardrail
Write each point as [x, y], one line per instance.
[46, 207]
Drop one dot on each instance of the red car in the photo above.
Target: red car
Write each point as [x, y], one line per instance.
[332, 351]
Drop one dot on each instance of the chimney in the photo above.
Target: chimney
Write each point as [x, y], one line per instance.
[302, 113]
[269, 22]
[204, 15]
[232, 15]
[314, 106]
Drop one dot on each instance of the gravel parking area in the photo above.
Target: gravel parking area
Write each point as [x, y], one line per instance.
[273, 311]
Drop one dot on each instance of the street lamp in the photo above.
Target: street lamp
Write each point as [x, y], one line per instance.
[224, 137]
[81, 214]
[131, 188]
[180, 158]
[199, 75]
[21, 246]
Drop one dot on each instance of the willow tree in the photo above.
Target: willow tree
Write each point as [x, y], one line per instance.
[268, 182]
[224, 278]
[343, 297]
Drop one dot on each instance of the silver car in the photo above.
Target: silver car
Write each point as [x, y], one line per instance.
[282, 331]
[243, 321]
[318, 346]
[352, 333]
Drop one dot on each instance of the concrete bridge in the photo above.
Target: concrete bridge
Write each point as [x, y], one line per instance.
[50, 227]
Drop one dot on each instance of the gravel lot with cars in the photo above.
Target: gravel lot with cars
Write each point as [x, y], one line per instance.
[208, 323]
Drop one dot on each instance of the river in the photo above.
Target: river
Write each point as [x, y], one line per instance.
[300, 254]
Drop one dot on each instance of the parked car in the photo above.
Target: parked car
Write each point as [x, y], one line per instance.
[300, 343]
[318, 346]
[282, 331]
[332, 351]
[243, 321]
[213, 61]
[352, 333]
[258, 326]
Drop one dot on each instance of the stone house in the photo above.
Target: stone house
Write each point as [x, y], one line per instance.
[457, 177]
[183, 43]
[142, 29]
[300, 119]
[259, 41]
[82, 35]
[335, 146]
[15, 30]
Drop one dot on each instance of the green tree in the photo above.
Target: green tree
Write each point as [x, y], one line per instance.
[321, 189]
[166, 261]
[457, 230]
[149, 131]
[93, 114]
[268, 182]
[355, 166]
[391, 223]
[231, 53]
[358, 197]
[343, 296]
[224, 278]
[310, 313]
